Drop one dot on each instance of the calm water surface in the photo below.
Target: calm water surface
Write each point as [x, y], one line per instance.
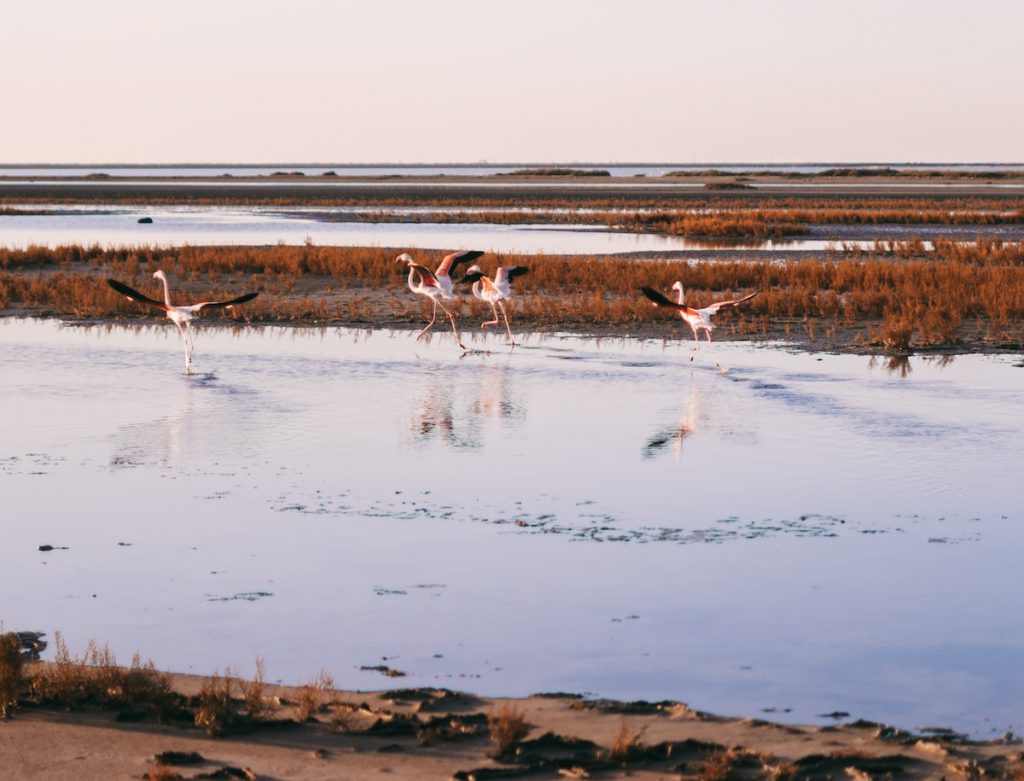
[804, 533]
[118, 226]
[218, 226]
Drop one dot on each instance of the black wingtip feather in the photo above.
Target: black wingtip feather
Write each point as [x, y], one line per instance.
[656, 298]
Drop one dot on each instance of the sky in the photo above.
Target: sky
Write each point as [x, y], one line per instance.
[464, 81]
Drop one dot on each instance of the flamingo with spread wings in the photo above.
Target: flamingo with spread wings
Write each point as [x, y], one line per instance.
[179, 315]
[437, 286]
[494, 291]
[698, 319]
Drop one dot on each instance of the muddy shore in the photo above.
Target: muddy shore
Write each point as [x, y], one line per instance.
[440, 734]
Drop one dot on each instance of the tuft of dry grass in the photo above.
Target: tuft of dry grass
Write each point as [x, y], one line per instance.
[626, 743]
[160, 772]
[313, 695]
[216, 712]
[508, 727]
[254, 699]
[736, 763]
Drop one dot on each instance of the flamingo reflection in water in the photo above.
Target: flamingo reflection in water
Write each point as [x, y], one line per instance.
[689, 418]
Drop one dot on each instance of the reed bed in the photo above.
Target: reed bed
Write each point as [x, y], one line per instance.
[967, 294]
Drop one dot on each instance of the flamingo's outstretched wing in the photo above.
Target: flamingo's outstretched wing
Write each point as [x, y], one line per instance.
[426, 275]
[452, 261]
[196, 308]
[506, 273]
[135, 295]
[660, 301]
[473, 276]
[712, 308]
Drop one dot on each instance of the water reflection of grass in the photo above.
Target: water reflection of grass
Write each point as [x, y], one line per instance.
[895, 295]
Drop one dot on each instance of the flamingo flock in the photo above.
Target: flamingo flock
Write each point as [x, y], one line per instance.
[438, 286]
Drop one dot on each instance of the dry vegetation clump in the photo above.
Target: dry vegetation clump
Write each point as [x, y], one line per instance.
[254, 697]
[626, 743]
[161, 772]
[730, 225]
[738, 763]
[555, 172]
[12, 673]
[215, 707]
[95, 678]
[313, 696]
[508, 727]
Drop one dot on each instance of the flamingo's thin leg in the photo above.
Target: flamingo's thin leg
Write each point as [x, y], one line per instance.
[696, 342]
[495, 320]
[712, 351]
[188, 351]
[508, 328]
[430, 324]
[455, 328]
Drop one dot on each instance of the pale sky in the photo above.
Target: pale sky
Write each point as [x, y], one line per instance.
[527, 81]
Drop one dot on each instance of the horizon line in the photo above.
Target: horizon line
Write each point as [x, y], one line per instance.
[514, 164]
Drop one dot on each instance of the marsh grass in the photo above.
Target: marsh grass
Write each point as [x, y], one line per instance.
[897, 295]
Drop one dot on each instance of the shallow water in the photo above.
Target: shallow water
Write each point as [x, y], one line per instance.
[218, 226]
[805, 533]
[118, 226]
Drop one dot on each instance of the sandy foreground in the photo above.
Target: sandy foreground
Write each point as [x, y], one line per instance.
[436, 733]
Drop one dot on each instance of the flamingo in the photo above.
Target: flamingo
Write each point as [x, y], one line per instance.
[698, 319]
[437, 286]
[179, 315]
[493, 291]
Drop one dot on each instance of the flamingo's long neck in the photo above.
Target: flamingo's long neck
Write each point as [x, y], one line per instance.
[413, 274]
[681, 296]
[167, 293]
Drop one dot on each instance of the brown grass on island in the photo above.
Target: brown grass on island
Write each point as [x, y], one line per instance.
[897, 296]
[555, 171]
[859, 172]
